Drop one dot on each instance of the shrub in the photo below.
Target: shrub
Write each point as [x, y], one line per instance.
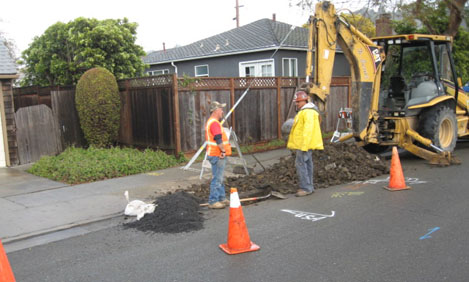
[98, 105]
[78, 165]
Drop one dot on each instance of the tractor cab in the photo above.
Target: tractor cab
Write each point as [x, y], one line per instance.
[417, 69]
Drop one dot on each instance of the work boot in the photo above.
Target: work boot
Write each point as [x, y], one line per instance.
[217, 205]
[226, 202]
[301, 193]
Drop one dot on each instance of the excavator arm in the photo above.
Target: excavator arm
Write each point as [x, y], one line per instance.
[327, 29]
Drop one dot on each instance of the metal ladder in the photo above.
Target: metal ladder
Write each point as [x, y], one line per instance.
[233, 139]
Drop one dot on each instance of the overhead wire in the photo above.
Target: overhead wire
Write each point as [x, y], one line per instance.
[250, 81]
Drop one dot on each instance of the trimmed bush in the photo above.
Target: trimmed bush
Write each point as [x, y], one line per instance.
[98, 105]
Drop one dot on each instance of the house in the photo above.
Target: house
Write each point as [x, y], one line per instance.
[249, 50]
[8, 74]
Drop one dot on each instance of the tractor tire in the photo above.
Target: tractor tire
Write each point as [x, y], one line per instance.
[439, 125]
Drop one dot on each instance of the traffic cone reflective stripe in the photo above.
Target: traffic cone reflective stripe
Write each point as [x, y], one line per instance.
[6, 274]
[238, 236]
[396, 178]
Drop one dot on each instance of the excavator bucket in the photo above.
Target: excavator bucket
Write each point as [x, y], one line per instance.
[444, 159]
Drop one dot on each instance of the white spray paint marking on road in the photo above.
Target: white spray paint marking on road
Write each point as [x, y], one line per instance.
[309, 216]
[408, 180]
[341, 194]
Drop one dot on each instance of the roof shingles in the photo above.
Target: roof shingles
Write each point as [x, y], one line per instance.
[260, 34]
[7, 65]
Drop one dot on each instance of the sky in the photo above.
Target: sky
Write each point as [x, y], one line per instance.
[173, 22]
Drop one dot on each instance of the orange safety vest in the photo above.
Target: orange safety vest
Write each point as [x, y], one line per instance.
[212, 148]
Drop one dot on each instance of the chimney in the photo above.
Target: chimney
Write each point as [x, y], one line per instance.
[383, 25]
[274, 17]
[164, 47]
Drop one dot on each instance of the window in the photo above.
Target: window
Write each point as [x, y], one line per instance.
[289, 67]
[443, 62]
[249, 71]
[158, 72]
[256, 68]
[201, 70]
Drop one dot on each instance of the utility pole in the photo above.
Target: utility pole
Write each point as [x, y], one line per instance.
[237, 13]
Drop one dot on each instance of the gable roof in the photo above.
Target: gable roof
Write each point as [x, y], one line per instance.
[261, 35]
[7, 65]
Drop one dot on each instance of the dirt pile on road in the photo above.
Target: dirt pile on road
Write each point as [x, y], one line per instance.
[174, 213]
[338, 163]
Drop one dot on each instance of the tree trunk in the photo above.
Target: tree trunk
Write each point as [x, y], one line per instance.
[456, 8]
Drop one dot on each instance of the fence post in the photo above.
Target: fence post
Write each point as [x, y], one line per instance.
[177, 129]
[125, 132]
[279, 110]
[232, 99]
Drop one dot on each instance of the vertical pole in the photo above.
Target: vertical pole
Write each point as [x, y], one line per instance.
[237, 14]
[127, 132]
[177, 129]
[232, 98]
[37, 95]
[349, 98]
[3, 125]
[279, 109]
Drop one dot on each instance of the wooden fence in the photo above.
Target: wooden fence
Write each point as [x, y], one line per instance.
[37, 133]
[169, 113]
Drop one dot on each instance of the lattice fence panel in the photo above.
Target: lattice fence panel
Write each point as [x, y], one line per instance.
[204, 83]
[289, 81]
[149, 81]
[256, 82]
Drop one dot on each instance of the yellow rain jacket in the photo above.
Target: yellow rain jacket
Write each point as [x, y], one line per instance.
[306, 131]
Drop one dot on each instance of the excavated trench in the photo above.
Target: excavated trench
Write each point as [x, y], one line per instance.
[337, 164]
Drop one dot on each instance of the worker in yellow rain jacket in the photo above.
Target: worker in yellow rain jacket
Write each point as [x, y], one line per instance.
[304, 137]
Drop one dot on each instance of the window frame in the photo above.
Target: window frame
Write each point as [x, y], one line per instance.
[289, 60]
[201, 75]
[164, 71]
[257, 64]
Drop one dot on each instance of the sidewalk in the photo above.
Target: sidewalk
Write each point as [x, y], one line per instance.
[31, 206]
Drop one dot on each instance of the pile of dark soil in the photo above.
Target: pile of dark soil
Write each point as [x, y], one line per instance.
[175, 213]
[338, 163]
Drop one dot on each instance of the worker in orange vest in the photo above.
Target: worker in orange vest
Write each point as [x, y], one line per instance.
[218, 147]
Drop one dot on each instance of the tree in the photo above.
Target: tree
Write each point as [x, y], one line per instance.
[418, 9]
[439, 17]
[66, 50]
[365, 25]
[98, 105]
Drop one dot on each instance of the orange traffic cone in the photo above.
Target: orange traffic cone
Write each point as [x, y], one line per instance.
[396, 179]
[6, 274]
[238, 236]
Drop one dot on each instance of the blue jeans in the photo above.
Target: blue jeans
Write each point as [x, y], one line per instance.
[217, 189]
[304, 169]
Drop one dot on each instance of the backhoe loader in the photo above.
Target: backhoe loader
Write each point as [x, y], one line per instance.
[405, 91]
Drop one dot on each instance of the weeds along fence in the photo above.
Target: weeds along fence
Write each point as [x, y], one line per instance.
[169, 113]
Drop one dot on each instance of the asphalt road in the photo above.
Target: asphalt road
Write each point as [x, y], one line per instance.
[353, 232]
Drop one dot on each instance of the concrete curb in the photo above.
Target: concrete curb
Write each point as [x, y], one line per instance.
[13, 239]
